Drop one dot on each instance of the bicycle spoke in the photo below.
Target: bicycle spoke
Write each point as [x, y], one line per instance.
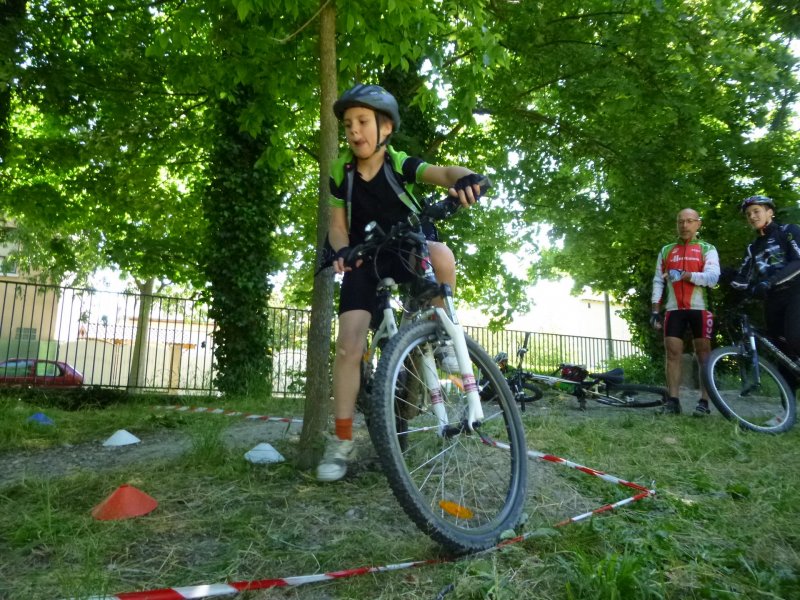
[448, 481]
[759, 399]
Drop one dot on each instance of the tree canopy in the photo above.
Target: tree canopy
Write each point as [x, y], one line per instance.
[600, 121]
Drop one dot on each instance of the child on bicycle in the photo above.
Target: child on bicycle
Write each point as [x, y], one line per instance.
[372, 181]
[771, 271]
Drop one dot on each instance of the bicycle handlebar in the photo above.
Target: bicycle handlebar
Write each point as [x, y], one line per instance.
[409, 227]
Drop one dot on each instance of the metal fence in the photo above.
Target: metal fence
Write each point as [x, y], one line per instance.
[99, 332]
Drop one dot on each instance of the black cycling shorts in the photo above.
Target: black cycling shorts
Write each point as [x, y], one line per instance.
[701, 322]
[360, 284]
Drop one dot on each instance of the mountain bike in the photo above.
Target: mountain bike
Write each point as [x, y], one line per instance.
[441, 450]
[746, 387]
[608, 388]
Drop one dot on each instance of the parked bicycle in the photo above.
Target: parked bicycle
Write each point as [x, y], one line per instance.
[608, 388]
[745, 386]
[457, 467]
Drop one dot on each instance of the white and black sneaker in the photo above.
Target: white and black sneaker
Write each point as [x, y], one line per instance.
[333, 465]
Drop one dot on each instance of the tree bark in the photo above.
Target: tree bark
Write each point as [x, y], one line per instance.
[317, 405]
[137, 374]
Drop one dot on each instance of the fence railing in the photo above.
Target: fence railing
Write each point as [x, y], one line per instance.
[104, 334]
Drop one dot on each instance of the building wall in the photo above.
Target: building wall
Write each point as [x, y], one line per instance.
[27, 316]
[557, 311]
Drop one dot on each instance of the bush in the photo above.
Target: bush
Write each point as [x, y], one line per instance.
[73, 398]
[640, 368]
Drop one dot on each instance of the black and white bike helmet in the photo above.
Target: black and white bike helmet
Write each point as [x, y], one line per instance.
[370, 96]
[501, 357]
[757, 199]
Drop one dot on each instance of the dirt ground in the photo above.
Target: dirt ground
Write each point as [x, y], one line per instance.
[244, 434]
[69, 459]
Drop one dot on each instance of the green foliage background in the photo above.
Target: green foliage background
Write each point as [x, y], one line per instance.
[598, 123]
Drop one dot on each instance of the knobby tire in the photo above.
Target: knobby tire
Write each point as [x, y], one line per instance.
[631, 395]
[770, 408]
[461, 491]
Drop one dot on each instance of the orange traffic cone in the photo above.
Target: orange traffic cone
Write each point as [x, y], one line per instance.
[124, 503]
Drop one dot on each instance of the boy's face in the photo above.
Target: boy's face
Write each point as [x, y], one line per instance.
[360, 126]
[758, 216]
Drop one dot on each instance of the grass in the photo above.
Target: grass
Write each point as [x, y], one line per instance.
[723, 525]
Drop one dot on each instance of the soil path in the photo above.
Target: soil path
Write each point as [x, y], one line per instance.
[93, 456]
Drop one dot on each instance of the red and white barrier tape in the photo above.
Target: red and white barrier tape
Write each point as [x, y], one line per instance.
[571, 465]
[607, 507]
[236, 587]
[227, 413]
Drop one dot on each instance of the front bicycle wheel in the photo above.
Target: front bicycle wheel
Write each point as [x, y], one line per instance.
[463, 488]
[765, 406]
[631, 395]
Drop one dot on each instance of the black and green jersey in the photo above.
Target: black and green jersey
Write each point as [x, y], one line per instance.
[387, 198]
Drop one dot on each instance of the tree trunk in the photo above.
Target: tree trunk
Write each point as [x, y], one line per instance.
[138, 372]
[12, 13]
[317, 406]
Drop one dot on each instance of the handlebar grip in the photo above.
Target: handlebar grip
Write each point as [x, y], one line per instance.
[445, 208]
[352, 255]
[485, 184]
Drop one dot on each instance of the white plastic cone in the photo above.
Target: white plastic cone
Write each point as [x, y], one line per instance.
[263, 454]
[121, 438]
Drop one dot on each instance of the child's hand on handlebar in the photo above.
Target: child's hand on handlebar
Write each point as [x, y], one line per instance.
[469, 188]
[342, 260]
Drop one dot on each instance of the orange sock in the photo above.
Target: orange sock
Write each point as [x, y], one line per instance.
[344, 429]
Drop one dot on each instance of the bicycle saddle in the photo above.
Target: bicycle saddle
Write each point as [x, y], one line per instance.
[613, 376]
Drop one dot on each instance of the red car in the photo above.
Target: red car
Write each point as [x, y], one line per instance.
[39, 372]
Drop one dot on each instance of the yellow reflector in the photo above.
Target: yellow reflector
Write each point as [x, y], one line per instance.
[457, 382]
[462, 512]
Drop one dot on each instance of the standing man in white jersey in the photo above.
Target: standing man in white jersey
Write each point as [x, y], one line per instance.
[686, 269]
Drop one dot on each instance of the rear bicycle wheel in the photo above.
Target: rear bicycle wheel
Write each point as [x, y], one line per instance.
[529, 392]
[631, 395]
[463, 488]
[768, 406]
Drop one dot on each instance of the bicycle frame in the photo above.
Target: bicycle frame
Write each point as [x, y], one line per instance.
[417, 308]
[751, 336]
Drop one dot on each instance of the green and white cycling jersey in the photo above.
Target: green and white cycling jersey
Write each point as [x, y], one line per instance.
[698, 258]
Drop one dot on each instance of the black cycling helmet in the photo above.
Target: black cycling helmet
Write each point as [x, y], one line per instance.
[501, 356]
[370, 96]
[762, 200]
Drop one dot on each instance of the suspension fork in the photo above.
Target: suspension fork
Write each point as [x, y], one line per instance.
[749, 343]
[449, 322]
[388, 325]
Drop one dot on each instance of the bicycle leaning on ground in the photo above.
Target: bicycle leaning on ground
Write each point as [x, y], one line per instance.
[458, 469]
[608, 388]
[745, 386]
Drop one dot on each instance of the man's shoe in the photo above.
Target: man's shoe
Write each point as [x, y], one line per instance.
[671, 407]
[701, 410]
[446, 359]
[333, 465]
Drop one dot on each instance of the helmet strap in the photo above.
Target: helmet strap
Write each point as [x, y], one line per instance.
[380, 143]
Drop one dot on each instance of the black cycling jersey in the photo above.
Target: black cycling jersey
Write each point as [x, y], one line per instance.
[773, 257]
